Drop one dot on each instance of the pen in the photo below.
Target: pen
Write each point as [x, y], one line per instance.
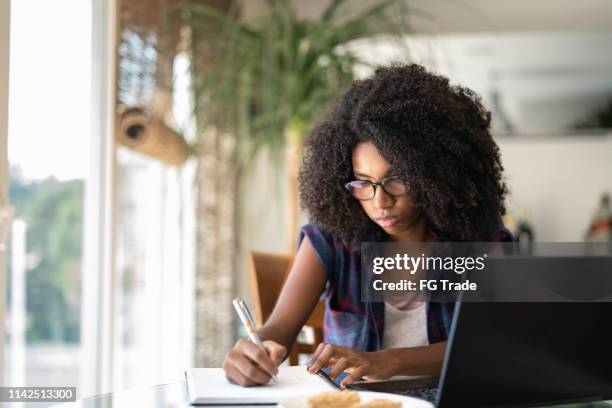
[249, 323]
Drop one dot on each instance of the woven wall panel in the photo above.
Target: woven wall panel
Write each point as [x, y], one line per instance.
[148, 42]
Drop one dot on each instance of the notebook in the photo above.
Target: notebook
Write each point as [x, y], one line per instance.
[208, 386]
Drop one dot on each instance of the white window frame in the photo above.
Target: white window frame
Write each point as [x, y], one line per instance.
[99, 269]
[5, 35]
[97, 325]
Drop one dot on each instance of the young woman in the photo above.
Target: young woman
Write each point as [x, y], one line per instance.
[405, 157]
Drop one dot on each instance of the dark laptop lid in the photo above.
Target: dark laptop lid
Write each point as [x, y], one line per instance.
[528, 354]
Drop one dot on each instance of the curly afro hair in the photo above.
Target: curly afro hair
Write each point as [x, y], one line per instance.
[435, 136]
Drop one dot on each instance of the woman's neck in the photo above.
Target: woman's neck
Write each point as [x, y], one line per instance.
[419, 232]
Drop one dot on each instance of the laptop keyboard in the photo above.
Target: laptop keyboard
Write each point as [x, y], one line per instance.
[427, 394]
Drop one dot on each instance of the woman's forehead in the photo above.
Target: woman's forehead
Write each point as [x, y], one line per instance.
[367, 160]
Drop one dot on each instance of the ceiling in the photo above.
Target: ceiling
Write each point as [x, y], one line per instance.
[470, 16]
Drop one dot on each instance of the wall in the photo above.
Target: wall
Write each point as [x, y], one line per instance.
[558, 180]
[262, 214]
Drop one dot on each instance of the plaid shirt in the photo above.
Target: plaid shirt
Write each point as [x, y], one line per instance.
[360, 325]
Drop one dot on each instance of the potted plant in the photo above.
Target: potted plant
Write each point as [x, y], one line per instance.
[270, 78]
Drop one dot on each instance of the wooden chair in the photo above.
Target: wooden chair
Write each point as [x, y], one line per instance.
[267, 274]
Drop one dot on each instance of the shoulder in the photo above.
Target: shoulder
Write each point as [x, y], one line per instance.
[333, 253]
[320, 238]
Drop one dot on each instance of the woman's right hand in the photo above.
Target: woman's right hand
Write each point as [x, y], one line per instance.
[248, 365]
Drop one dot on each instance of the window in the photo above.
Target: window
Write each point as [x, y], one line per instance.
[155, 259]
[48, 151]
[101, 257]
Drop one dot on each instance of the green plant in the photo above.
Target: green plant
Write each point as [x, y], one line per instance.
[274, 75]
[269, 79]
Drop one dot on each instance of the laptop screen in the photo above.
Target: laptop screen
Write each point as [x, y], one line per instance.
[528, 354]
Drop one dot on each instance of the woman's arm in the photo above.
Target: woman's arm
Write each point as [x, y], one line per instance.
[378, 365]
[298, 298]
[245, 363]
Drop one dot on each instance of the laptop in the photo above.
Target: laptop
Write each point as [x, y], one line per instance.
[522, 354]
[528, 354]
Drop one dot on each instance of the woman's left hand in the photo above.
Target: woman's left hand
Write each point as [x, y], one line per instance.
[375, 365]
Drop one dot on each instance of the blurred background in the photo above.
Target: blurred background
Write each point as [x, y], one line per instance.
[151, 143]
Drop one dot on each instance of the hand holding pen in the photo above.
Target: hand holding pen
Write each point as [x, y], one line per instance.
[252, 362]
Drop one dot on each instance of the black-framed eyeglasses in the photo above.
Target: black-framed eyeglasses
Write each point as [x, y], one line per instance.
[365, 190]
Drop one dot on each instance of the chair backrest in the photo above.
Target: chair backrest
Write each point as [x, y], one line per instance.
[267, 275]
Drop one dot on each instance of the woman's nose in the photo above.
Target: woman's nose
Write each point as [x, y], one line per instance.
[382, 199]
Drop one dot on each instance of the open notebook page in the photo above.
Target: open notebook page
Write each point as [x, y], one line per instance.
[209, 386]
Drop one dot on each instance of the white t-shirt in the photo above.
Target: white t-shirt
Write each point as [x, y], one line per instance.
[405, 328]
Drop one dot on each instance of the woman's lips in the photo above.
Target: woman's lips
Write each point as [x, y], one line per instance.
[387, 221]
